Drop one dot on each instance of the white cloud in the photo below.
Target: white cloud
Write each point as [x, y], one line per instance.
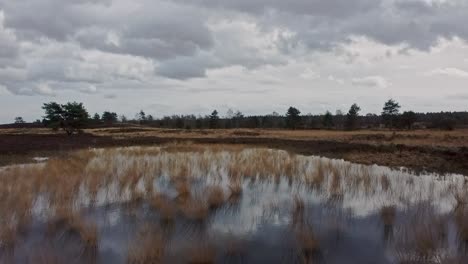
[451, 72]
[309, 74]
[4, 90]
[335, 79]
[371, 81]
[91, 89]
[44, 89]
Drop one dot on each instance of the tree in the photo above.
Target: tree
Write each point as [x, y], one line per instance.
[390, 113]
[96, 118]
[327, 120]
[352, 117]
[109, 117]
[408, 118]
[123, 119]
[293, 118]
[150, 118]
[70, 117]
[19, 120]
[214, 119]
[141, 116]
[230, 113]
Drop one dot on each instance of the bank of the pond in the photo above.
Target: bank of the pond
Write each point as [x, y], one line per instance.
[20, 148]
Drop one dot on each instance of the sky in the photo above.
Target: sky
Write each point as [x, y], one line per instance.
[257, 56]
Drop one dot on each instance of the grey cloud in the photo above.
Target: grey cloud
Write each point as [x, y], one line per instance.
[183, 39]
[329, 8]
[371, 81]
[321, 25]
[184, 68]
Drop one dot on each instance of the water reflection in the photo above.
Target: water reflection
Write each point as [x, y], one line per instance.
[199, 204]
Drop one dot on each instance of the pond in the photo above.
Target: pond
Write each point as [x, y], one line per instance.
[188, 203]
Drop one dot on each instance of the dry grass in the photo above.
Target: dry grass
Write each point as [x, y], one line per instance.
[167, 209]
[148, 249]
[8, 238]
[183, 190]
[134, 173]
[298, 209]
[423, 237]
[454, 138]
[387, 214]
[308, 243]
[69, 223]
[201, 253]
[235, 188]
[385, 183]
[215, 196]
[461, 221]
[195, 209]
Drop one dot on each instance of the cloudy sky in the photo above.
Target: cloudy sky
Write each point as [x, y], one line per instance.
[259, 56]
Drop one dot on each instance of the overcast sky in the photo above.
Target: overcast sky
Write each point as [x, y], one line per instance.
[258, 56]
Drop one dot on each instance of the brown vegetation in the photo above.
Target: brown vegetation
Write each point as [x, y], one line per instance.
[440, 151]
[148, 249]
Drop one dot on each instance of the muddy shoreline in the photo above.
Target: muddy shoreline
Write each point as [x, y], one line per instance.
[16, 148]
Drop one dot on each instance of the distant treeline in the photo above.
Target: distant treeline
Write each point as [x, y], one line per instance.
[442, 120]
[73, 116]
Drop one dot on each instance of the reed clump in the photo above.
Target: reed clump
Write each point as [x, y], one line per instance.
[167, 209]
[309, 245]
[195, 209]
[183, 190]
[235, 189]
[149, 248]
[387, 214]
[385, 182]
[215, 196]
[461, 221]
[8, 237]
[298, 211]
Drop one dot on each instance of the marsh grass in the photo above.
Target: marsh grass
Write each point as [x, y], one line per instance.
[385, 183]
[235, 189]
[309, 245]
[201, 253]
[191, 181]
[149, 248]
[165, 206]
[195, 209]
[388, 213]
[215, 196]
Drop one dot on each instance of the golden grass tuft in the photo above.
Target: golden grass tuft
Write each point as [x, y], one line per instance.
[195, 209]
[183, 189]
[8, 237]
[165, 206]
[298, 209]
[308, 244]
[236, 189]
[215, 197]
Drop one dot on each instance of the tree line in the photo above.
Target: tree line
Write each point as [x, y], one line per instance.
[72, 117]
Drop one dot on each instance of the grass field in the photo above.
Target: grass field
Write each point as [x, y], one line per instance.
[433, 150]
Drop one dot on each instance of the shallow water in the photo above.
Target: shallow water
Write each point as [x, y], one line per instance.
[278, 218]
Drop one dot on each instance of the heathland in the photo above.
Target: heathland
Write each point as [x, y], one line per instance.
[419, 150]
